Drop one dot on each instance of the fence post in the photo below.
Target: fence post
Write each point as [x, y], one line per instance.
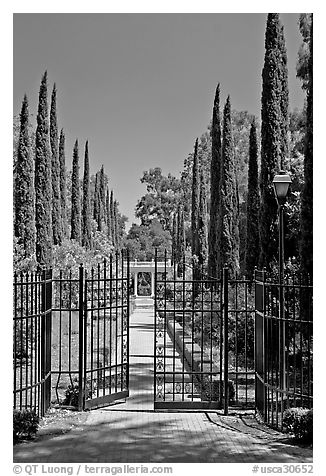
[226, 339]
[42, 340]
[81, 339]
[260, 364]
[45, 334]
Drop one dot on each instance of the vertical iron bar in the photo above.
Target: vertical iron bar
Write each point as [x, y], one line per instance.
[246, 337]
[98, 374]
[39, 342]
[92, 331]
[111, 324]
[49, 337]
[43, 304]
[81, 338]
[165, 330]
[211, 290]
[221, 325]
[21, 342]
[116, 321]
[155, 325]
[174, 343]
[201, 288]
[128, 316]
[193, 317]
[104, 327]
[85, 349]
[121, 317]
[26, 340]
[236, 339]
[15, 339]
[31, 340]
[184, 324]
[69, 328]
[226, 341]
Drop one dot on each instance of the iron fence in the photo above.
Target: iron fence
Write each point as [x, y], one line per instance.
[32, 340]
[284, 346]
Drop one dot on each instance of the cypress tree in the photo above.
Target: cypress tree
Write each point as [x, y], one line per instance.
[101, 198]
[24, 224]
[116, 225]
[195, 202]
[96, 211]
[229, 215]
[213, 245]
[284, 97]
[86, 223]
[75, 196]
[108, 214]
[55, 171]
[63, 184]
[273, 133]
[306, 242]
[252, 235]
[202, 223]
[113, 222]
[43, 180]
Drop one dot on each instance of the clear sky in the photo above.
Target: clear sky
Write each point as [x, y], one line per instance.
[140, 87]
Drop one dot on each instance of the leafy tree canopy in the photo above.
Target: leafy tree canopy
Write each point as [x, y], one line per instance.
[162, 197]
[142, 240]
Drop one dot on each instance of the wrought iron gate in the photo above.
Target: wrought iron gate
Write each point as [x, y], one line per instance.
[106, 333]
[71, 336]
[283, 346]
[203, 338]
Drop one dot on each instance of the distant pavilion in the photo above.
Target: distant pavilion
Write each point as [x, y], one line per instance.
[137, 267]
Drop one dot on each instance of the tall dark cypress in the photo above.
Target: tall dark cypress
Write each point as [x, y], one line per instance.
[113, 223]
[96, 210]
[116, 225]
[24, 223]
[213, 245]
[55, 171]
[229, 215]
[284, 97]
[101, 191]
[63, 185]
[306, 242]
[108, 214]
[75, 197]
[195, 202]
[273, 133]
[252, 235]
[43, 180]
[202, 223]
[86, 212]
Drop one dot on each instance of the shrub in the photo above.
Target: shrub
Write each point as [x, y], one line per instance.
[299, 422]
[25, 424]
[72, 393]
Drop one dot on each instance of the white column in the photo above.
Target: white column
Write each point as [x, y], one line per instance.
[135, 283]
[152, 283]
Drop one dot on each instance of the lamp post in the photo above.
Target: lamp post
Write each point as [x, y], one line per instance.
[281, 184]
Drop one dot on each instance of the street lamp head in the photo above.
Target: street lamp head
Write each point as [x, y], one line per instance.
[281, 184]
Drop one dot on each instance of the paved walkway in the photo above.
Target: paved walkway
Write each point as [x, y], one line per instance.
[133, 432]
